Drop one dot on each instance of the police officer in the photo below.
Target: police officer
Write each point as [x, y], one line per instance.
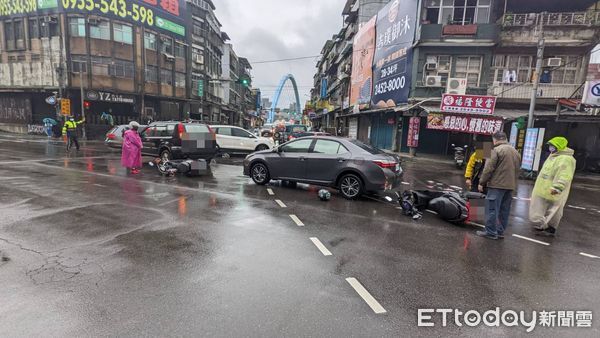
[70, 130]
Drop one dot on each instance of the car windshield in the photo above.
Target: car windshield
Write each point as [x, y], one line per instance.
[296, 129]
[196, 128]
[368, 148]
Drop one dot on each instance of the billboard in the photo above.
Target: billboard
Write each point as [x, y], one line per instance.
[464, 123]
[392, 64]
[362, 65]
[166, 16]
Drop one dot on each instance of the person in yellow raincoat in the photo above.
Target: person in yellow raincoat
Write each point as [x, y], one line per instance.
[474, 169]
[552, 187]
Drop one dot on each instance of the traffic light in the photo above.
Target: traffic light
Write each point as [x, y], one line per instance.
[86, 104]
[245, 81]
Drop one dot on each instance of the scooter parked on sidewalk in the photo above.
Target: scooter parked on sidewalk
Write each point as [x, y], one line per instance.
[460, 155]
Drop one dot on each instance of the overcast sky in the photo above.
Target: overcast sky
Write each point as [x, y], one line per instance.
[263, 30]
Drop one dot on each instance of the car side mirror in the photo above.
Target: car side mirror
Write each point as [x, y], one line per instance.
[278, 150]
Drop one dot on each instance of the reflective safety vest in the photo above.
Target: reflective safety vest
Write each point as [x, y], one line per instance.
[70, 127]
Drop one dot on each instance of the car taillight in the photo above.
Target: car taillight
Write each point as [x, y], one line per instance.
[290, 138]
[111, 136]
[180, 130]
[386, 164]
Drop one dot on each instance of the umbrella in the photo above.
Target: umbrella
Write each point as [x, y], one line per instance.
[48, 120]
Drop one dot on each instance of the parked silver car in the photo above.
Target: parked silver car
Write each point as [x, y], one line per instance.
[114, 137]
[349, 165]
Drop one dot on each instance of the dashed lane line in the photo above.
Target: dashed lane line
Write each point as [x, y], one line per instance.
[588, 255]
[297, 220]
[576, 207]
[270, 191]
[281, 204]
[405, 183]
[531, 239]
[365, 295]
[320, 246]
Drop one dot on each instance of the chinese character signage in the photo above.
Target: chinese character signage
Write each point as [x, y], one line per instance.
[468, 104]
[392, 73]
[166, 15]
[362, 65]
[65, 107]
[412, 139]
[464, 123]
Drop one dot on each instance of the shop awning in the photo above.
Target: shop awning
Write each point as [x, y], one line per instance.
[507, 114]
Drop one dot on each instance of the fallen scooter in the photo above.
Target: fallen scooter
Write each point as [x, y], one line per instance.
[448, 205]
[188, 167]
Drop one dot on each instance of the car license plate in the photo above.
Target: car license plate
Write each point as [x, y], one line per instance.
[397, 166]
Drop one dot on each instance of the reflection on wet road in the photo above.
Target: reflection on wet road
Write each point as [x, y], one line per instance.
[91, 250]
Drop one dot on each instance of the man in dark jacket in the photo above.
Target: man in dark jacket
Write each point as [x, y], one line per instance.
[500, 176]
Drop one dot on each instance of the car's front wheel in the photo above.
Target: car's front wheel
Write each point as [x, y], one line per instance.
[351, 186]
[262, 147]
[260, 174]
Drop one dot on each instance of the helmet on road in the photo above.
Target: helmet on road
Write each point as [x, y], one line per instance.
[324, 195]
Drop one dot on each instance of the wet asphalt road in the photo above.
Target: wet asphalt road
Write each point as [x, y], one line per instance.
[92, 251]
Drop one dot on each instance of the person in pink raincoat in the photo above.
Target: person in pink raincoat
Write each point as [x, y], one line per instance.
[131, 155]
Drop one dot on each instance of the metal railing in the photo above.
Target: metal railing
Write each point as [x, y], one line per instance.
[590, 18]
[545, 90]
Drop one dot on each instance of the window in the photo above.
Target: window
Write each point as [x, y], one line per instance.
[79, 63]
[468, 67]
[166, 77]
[567, 72]
[328, 147]
[77, 27]
[241, 133]
[513, 68]
[300, 146]
[100, 30]
[152, 74]
[34, 28]
[122, 33]
[224, 131]
[14, 34]
[443, 69]
[150, 40]
[180, 80]
[100, 65]
[49, 26]
[368, 148]
[121, 68]
[167, 46]
[457, 12]
[179, 50]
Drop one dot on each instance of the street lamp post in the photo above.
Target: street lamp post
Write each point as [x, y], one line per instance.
[82, 101]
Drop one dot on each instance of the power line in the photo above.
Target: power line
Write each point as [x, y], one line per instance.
[284, 60]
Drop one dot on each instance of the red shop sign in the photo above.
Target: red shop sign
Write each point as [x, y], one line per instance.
[412, 139]
[468, 104]
[464, 123]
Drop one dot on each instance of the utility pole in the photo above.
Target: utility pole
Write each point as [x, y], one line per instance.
[81, 94]
[538, 69]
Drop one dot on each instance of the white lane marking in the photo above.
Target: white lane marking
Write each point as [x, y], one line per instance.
[477, 224]
[455, 187]
[588, 255]
[320, 246]
[531, 239]
[100, 185]
[297, 220]
[270, 191]
[405, 183]
[522, 199]
[574, 207]
[281, 204]
[365, 295]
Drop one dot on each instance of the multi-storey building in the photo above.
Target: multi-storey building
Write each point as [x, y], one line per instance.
[232, 100]
[488, 47]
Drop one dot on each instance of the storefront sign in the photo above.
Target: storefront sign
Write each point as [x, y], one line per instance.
[51, 100]
[412, 139]
[468, 104]
[201, 88]
[459, 30]
[362, 65]
[93, 95]
[392, 64]
[65, 107]
[591, 93]
[464, 123]
[166, 15]
[353, 128]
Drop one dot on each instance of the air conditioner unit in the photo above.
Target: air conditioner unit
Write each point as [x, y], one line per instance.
[431, 66]
[169, 57]
[93, 21]
[433, 81]
[199, 59]
[50, 19]
[457, 86]
[554, 62]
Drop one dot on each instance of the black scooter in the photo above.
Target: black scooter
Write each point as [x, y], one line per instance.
[460, 155]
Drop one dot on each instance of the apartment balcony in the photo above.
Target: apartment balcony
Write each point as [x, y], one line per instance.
[548, 92]
[451, 35]
[573, 29]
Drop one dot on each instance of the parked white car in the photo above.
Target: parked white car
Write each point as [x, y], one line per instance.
[234, 139]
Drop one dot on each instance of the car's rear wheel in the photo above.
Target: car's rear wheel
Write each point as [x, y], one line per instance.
[165, 155]
[262, 147]
[351, 186]
[260, 174]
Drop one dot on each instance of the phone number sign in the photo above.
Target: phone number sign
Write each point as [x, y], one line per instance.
[165, 15]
